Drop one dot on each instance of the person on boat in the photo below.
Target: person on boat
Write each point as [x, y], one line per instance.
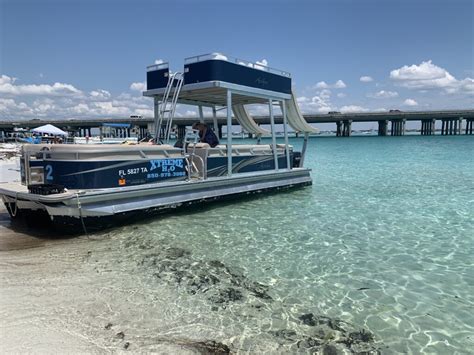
[206, 135]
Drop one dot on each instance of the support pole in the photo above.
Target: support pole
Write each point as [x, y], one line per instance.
[303, 151]
[229, 133]
[285, 131]
[403, 125]
[201, 114]
[443, 123]
[272, 122]
[155, 114]
[214, 119]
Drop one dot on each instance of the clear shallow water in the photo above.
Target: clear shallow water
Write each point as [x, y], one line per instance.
[383, 241]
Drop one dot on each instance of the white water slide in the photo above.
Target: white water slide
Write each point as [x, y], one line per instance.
[294, 116]
[247, 122]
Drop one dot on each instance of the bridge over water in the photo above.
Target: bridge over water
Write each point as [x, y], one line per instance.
[453, 122]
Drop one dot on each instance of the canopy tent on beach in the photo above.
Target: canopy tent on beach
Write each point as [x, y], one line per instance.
[49, 129]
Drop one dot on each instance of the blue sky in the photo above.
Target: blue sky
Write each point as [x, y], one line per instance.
[61, 59]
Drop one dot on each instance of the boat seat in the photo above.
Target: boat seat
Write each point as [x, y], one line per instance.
[101, 151]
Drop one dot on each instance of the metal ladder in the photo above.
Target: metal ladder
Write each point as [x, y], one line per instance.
[167, 106]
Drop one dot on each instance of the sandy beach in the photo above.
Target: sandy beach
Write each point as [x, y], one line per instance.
[56, 297]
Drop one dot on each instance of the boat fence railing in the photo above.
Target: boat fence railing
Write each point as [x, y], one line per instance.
[246, 63]
[192, 167]
[158, 66]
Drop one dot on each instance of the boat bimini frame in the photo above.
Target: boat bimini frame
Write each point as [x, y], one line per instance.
[220, 88]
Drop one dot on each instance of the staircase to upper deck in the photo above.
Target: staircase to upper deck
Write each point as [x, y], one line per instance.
[167, 107]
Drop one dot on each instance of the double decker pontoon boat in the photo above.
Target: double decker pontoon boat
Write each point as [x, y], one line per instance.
[88, 187]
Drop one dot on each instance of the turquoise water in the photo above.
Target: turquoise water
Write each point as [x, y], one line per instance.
[383, 241]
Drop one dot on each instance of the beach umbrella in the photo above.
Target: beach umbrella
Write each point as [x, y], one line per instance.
[50, 130]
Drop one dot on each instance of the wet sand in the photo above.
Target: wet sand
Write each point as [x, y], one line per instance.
[57, 296]
[29, 295]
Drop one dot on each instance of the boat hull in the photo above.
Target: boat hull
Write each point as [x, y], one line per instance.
[79, 211]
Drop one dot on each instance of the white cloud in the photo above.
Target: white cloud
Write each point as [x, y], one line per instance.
[429, 76]
[337, 85]
[321, 102]
[341, 95]
[10, 107]
[382, 94]
[51, 102]
[352, 109]
[100, 94]
[410, 102]
[366, 79]
[8, 87]
[139, 86]
[159, 61]
[321, 85]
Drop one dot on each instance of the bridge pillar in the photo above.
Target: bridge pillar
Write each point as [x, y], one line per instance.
[398, 127]
[469, 126]
[428, 127]
[459, 125]
[383, 128]
[339, 128]
[347, 128]
[181, 133]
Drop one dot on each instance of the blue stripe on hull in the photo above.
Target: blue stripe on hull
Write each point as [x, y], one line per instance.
[105, 174]
[217, 166]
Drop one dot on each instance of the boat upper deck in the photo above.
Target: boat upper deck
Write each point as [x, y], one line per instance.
[207, 78]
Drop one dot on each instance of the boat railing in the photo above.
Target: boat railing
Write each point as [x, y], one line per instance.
[243, 62]
[158, 66]
[94, 152]
[192, 166]
[245, 150]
